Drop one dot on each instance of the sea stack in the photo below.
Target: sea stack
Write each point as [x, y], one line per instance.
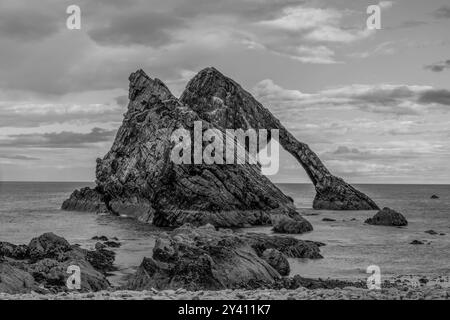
[224, 103]
[137, 178]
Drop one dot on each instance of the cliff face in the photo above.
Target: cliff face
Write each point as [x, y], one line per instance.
[137, 177]
[224, 103]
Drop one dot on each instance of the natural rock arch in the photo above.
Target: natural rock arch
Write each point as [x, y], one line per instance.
[224, 103]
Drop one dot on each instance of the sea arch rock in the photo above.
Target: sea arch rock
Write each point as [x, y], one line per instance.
[137, 177]
[224, 103]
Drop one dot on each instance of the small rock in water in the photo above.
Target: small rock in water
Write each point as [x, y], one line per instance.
[432, 232]
[416, 242]
[112, 244]
[99, 246]
[284, 224]
[328, 219]
[434, 196]
[388, 217]
[100, 238]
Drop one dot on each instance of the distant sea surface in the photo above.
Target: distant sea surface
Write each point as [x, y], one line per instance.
[28, 209]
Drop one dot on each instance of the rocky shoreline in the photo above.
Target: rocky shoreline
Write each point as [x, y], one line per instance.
[400, 288]
[191, 263]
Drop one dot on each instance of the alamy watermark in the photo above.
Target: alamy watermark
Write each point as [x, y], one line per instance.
[232, 146]
[374, 281]
[74, 280]
[73, 22]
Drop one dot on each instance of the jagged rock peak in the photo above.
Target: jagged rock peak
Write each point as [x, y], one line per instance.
[139, 81]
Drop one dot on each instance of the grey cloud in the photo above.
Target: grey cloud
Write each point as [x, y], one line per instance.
[17, 157]
[245, 9]
[442, 13]
[121, 100]
[382, 99]
[18, 116]
[435, 96]
[143, 28]
[438, 66]
[65, 139]
[30, 23]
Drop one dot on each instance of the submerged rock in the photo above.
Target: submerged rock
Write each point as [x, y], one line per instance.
[138, 179]
[205, 259]
[224, 103]
[388, 217]
[284, 224]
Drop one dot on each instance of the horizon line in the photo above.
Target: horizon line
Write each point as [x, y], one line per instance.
[275, 182]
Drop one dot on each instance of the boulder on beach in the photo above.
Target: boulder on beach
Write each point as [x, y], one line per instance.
[44, 262]
[137, 177]
[388, 217]
[284, 224]
[206, 259]
[277, 260]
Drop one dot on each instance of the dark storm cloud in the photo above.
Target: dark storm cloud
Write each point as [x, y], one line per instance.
[143, 28]
[17, 157]
[435, 96]
[438, 66]
[65, 139]
[442, 13]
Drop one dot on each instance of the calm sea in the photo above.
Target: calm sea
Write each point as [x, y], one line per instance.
[28, 209]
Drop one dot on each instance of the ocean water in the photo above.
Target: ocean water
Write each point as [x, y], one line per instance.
[28, 209]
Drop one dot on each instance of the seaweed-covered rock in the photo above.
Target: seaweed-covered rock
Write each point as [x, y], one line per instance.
[205, 259]
[388, 217]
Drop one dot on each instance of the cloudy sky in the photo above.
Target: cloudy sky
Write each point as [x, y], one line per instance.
[373, 104]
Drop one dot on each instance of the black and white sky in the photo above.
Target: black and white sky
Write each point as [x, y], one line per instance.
[374, 104]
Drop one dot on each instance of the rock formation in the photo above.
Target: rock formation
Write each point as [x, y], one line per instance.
[284, 224]
[205, 259]
[388, 217]
[222, 102]
[86, 199]
[41, 266]
[137, 177]
[277, 260]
